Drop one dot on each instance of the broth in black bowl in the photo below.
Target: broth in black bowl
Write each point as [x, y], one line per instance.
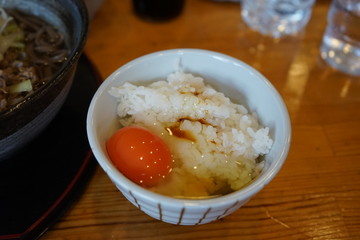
[27, 116]
[31, 52]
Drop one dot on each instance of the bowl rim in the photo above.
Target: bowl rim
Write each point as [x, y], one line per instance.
[65, 69]
[242, 194]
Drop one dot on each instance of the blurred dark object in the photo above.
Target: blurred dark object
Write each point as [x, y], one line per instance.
[158, 10]
[226, 0]
[93, 6]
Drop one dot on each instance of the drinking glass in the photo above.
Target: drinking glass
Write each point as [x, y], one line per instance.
[341, 41]
[276, 18]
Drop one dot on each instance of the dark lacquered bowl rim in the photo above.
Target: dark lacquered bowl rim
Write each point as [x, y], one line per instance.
[73, 59]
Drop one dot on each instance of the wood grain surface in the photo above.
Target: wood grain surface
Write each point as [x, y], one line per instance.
[316, 195]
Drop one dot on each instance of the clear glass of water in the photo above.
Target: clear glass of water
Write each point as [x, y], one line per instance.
[341, 42]
[276, 18]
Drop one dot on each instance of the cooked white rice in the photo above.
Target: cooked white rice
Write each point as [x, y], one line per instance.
[225, 140]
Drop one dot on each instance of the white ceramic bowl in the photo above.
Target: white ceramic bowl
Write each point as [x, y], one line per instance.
[238, 81]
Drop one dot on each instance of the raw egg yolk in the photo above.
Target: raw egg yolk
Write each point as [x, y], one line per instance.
[140, 155]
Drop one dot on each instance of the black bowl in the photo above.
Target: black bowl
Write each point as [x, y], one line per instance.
[26, 120]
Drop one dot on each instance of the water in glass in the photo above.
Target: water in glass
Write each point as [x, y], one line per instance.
[276, 18]
[341, 41]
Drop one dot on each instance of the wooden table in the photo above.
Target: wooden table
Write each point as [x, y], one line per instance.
[316, 195]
